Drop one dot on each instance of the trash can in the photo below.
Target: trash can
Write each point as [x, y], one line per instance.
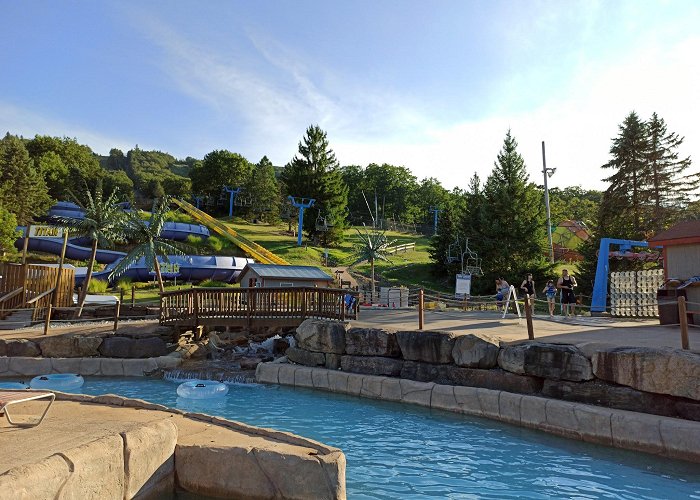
[667, 299]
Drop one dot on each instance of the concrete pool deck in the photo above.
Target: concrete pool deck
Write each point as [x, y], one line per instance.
[123, 448]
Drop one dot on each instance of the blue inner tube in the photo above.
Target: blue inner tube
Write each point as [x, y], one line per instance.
[58, 382]
[202, 389]
[13, 385]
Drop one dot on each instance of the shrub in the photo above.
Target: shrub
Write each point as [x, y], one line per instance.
[124, 284]
[215, 243]
[97, 286]
[195, 241]
[212, 284]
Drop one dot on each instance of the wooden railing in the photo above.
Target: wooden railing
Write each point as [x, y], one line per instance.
[255, 306]
[11, 300]
[401, 248]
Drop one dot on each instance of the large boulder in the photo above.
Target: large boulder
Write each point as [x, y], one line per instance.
[306, 358]
[554, 361]
[663, 371]
[475, 351]
[470, 377]
[19, 348]
[426, 346]
[321, 336]
[601, 393]
[124, 347]
[372, 342]
[375, 365]
[70, 346]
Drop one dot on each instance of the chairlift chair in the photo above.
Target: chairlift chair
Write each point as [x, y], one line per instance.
[321, 223]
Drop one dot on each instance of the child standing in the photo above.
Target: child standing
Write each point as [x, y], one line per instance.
[551, 292]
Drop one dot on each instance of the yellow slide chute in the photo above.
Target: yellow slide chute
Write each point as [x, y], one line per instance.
[257, 252]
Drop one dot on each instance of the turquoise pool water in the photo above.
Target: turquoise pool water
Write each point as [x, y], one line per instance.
[397, 451]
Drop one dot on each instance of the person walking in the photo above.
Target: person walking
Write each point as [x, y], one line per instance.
[568, 299]
[528, 286]
[550, 291]
[502, 289]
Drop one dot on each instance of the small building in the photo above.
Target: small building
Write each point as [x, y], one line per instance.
[273, 275]
[681, 251]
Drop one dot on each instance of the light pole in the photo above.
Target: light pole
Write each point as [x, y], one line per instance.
[548, 172]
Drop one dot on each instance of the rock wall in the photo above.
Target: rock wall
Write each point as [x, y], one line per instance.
[108, 367]
[669, 437]
[81, 346]
[657, 381]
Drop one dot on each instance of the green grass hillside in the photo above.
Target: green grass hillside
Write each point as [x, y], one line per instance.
[410, 268]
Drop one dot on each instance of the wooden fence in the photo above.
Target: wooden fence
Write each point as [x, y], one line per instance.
[255, 307]
[401, 248]
[26, 286]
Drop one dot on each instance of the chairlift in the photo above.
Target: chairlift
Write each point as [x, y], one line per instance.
[243, 200]
[321, 223]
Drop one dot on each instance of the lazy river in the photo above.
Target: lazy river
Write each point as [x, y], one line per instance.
[399, 451]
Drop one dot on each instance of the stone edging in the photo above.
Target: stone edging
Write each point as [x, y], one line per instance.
[665, 436]
[108, 367]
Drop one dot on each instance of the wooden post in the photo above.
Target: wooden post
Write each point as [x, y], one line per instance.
[47, 320]
[420, 309]
[683, 319]
[528, 317]
[24, 265]
[133, 295]
[117, 307]
[54, 295]
[195, 294]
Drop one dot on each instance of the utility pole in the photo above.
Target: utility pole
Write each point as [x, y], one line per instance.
[302, 204]
[548, 172]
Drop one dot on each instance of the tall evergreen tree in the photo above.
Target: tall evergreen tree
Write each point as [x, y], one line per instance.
[265, 191]
[442, 245]
[22, 189]
[218, 169]
[314, 173]
[623, 208]
[669, 188]
[512, 235]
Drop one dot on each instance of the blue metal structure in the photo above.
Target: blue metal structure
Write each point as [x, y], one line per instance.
[435, 210]
[231, 199]
[600, 286]
[302, 205]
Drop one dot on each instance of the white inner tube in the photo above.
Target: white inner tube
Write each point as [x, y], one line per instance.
[13, 385]
[58, 382]
[202, 389]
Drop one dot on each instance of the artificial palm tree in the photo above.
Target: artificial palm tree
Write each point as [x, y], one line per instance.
[373, 246]
[149, 245]
[103, 224]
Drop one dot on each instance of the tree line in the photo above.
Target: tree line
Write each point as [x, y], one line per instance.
[650, 187]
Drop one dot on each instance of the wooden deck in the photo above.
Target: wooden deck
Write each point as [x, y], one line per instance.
[254, 307]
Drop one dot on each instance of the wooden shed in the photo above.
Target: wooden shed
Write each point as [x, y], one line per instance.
[681, 251]
[273, 275]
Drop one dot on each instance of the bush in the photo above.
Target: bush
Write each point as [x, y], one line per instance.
[212, 284]
[195, 241]
[97, 286]
[215, 243]
[124, 284]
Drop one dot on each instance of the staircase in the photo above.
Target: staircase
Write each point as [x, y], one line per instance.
[18, 319]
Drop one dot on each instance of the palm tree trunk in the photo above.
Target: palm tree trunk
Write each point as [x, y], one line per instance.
[158, 275]
[371, 263]
[88, 277]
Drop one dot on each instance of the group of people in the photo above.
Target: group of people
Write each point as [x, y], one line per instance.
[566, 284]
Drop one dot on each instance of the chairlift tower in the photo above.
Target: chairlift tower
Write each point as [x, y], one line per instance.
[232, 198]
[302, 204]
[198, 200]
[435, 210]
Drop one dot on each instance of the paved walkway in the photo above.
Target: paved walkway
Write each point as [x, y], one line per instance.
[578, 330]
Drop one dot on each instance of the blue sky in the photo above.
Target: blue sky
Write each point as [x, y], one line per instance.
[431, 85]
